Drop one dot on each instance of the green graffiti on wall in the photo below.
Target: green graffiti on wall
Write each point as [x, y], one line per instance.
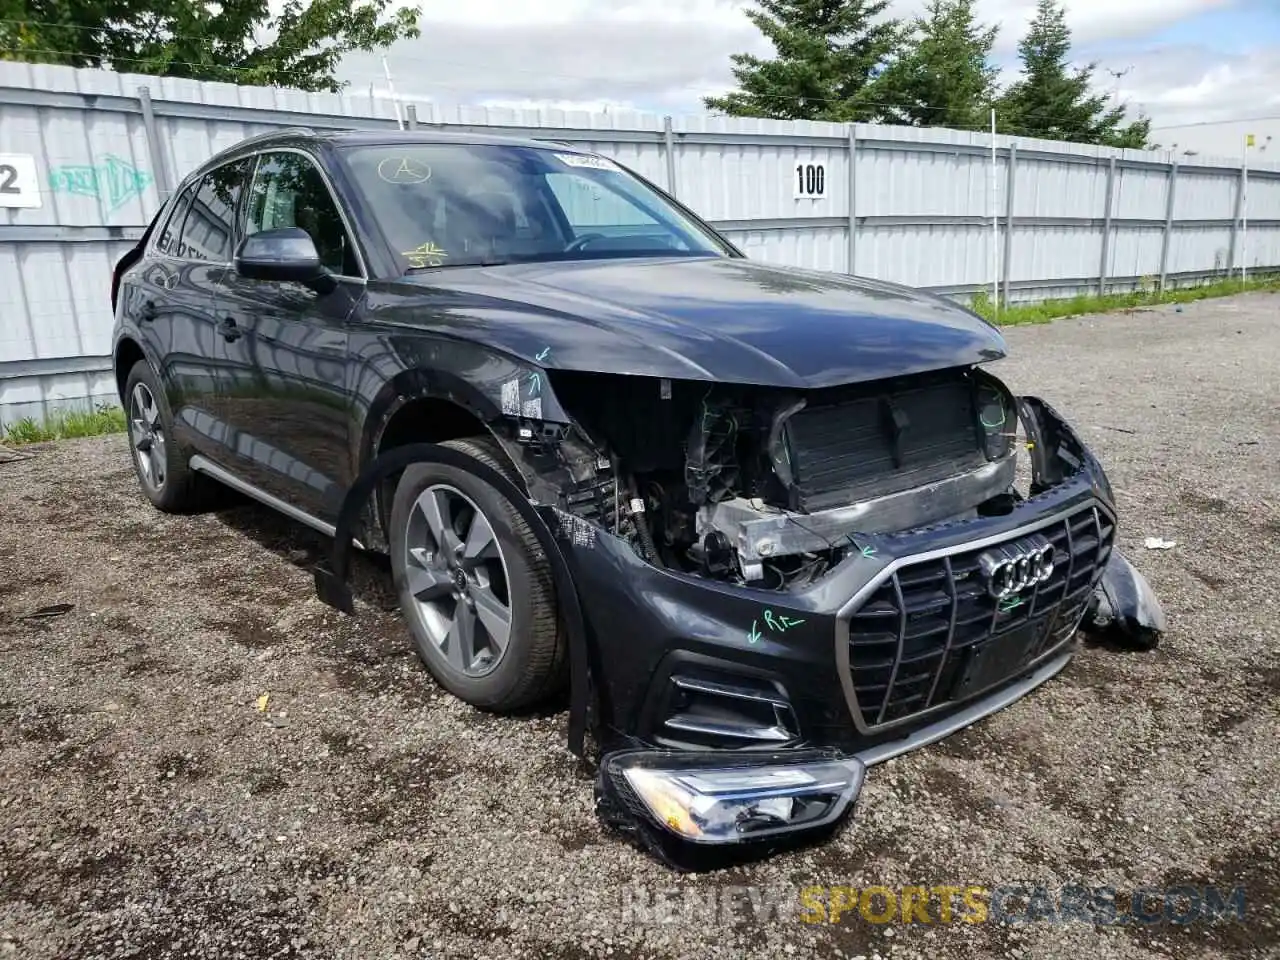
[113, 181]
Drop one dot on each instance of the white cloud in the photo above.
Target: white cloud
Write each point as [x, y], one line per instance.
[1092, 21]
[666, 54]
[1193, 84]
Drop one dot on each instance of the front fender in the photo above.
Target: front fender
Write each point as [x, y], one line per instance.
[331, 580]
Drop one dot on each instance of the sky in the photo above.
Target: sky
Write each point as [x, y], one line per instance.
[1177, 61]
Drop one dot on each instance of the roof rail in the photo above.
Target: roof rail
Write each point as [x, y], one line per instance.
[283, 131]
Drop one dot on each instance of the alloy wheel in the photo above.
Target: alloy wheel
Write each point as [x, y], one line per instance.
[457, 576]
[146, 433]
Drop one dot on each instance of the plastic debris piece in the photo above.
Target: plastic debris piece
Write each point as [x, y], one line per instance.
[45, 613]
[263, 701]
[1124, 608]
[1159, 543]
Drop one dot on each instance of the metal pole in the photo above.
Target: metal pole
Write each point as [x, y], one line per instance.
[1009, 192]
[1104, 261]
[1235, 223]
[853, 198]
[995, 222]
[164, 182]
[1170, 197]
[1244, 214]
[391, 88]
[411, 116]
[669, 140]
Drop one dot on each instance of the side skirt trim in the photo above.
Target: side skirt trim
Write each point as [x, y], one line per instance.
[202, 465]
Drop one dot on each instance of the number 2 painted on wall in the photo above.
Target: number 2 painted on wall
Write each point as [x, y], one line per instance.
[8, 179]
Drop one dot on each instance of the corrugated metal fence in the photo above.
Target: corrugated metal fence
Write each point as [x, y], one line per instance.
[896, 203]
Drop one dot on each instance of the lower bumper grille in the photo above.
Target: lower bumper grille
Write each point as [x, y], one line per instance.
[932, 633]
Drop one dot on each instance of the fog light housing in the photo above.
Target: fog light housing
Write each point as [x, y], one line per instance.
[713, 799]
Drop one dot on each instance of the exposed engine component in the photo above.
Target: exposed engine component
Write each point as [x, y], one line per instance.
[711, 468]
[771, 487]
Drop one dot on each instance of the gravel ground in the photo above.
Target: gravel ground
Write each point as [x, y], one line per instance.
[150, 808]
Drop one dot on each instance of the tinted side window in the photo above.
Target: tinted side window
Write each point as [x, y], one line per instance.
[209, 230]
[167, 242]
[288, 191]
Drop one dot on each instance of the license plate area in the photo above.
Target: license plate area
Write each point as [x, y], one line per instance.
[998, 659]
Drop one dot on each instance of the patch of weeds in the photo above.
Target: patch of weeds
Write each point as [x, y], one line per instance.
[1147, 296]
[103, 419]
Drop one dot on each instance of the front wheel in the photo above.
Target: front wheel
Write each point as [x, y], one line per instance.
[474, 585]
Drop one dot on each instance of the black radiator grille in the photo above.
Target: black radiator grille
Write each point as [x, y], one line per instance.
[912, 641]
[850, 446]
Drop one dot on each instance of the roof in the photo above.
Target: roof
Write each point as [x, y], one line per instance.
[340, 137]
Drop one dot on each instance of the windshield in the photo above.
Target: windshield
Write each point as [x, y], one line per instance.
[443, 205]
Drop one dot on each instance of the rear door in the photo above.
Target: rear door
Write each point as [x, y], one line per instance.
[282, 347]
[170, 298]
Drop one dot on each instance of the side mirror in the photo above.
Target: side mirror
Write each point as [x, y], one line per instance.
[287, 254]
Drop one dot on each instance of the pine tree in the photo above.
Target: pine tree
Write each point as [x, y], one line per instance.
[828, 53]
[942, 76]
[1054, 101]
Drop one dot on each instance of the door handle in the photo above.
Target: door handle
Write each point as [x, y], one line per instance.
[147, 312]
[228, 329]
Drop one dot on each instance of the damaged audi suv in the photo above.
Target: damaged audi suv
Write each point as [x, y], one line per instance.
[768, 524]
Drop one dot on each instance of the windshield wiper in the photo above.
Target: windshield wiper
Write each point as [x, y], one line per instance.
[488, 262]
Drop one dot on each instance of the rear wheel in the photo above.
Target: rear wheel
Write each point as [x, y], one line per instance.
[161, 465]
[474, 585]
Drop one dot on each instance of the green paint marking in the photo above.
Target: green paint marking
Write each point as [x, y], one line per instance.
[776, 623]
[1009, 604]
[535, 384]
[542, 357]
[113, 181]
[868, 551]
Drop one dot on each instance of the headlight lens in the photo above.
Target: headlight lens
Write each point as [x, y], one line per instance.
[714, 799]
[997, 418]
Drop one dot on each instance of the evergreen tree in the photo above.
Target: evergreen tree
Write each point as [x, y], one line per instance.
[942, 76]
[828, 53]
[1054, 101]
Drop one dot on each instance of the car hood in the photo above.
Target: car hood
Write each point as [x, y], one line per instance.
[703, 318]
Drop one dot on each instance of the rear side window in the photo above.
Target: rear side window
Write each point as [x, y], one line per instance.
[209, 233]
[167, 242]
[288, 191]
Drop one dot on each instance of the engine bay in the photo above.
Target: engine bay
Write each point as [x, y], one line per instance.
[770, 487]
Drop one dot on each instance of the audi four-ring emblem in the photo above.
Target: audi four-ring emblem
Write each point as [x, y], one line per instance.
[1014, 567]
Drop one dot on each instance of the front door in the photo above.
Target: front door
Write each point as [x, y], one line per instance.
[283, 347]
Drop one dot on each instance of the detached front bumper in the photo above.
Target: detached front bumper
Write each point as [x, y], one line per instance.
[775, 699]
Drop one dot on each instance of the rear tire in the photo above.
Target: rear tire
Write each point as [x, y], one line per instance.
[159, 462]
[474, 585]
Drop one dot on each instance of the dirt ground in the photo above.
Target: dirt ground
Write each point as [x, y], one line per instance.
[149, 808]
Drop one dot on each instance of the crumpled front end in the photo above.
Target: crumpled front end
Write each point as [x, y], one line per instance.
[775, 601]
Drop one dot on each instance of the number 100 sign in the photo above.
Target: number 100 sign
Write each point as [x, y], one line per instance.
[809, 180]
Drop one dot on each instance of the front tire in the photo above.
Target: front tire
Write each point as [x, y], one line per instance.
[161, 465]
[474, 585]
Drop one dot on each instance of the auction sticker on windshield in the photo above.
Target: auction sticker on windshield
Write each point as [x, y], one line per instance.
[586, 160]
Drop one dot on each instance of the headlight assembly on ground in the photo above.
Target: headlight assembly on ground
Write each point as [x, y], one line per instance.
[711, 799]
